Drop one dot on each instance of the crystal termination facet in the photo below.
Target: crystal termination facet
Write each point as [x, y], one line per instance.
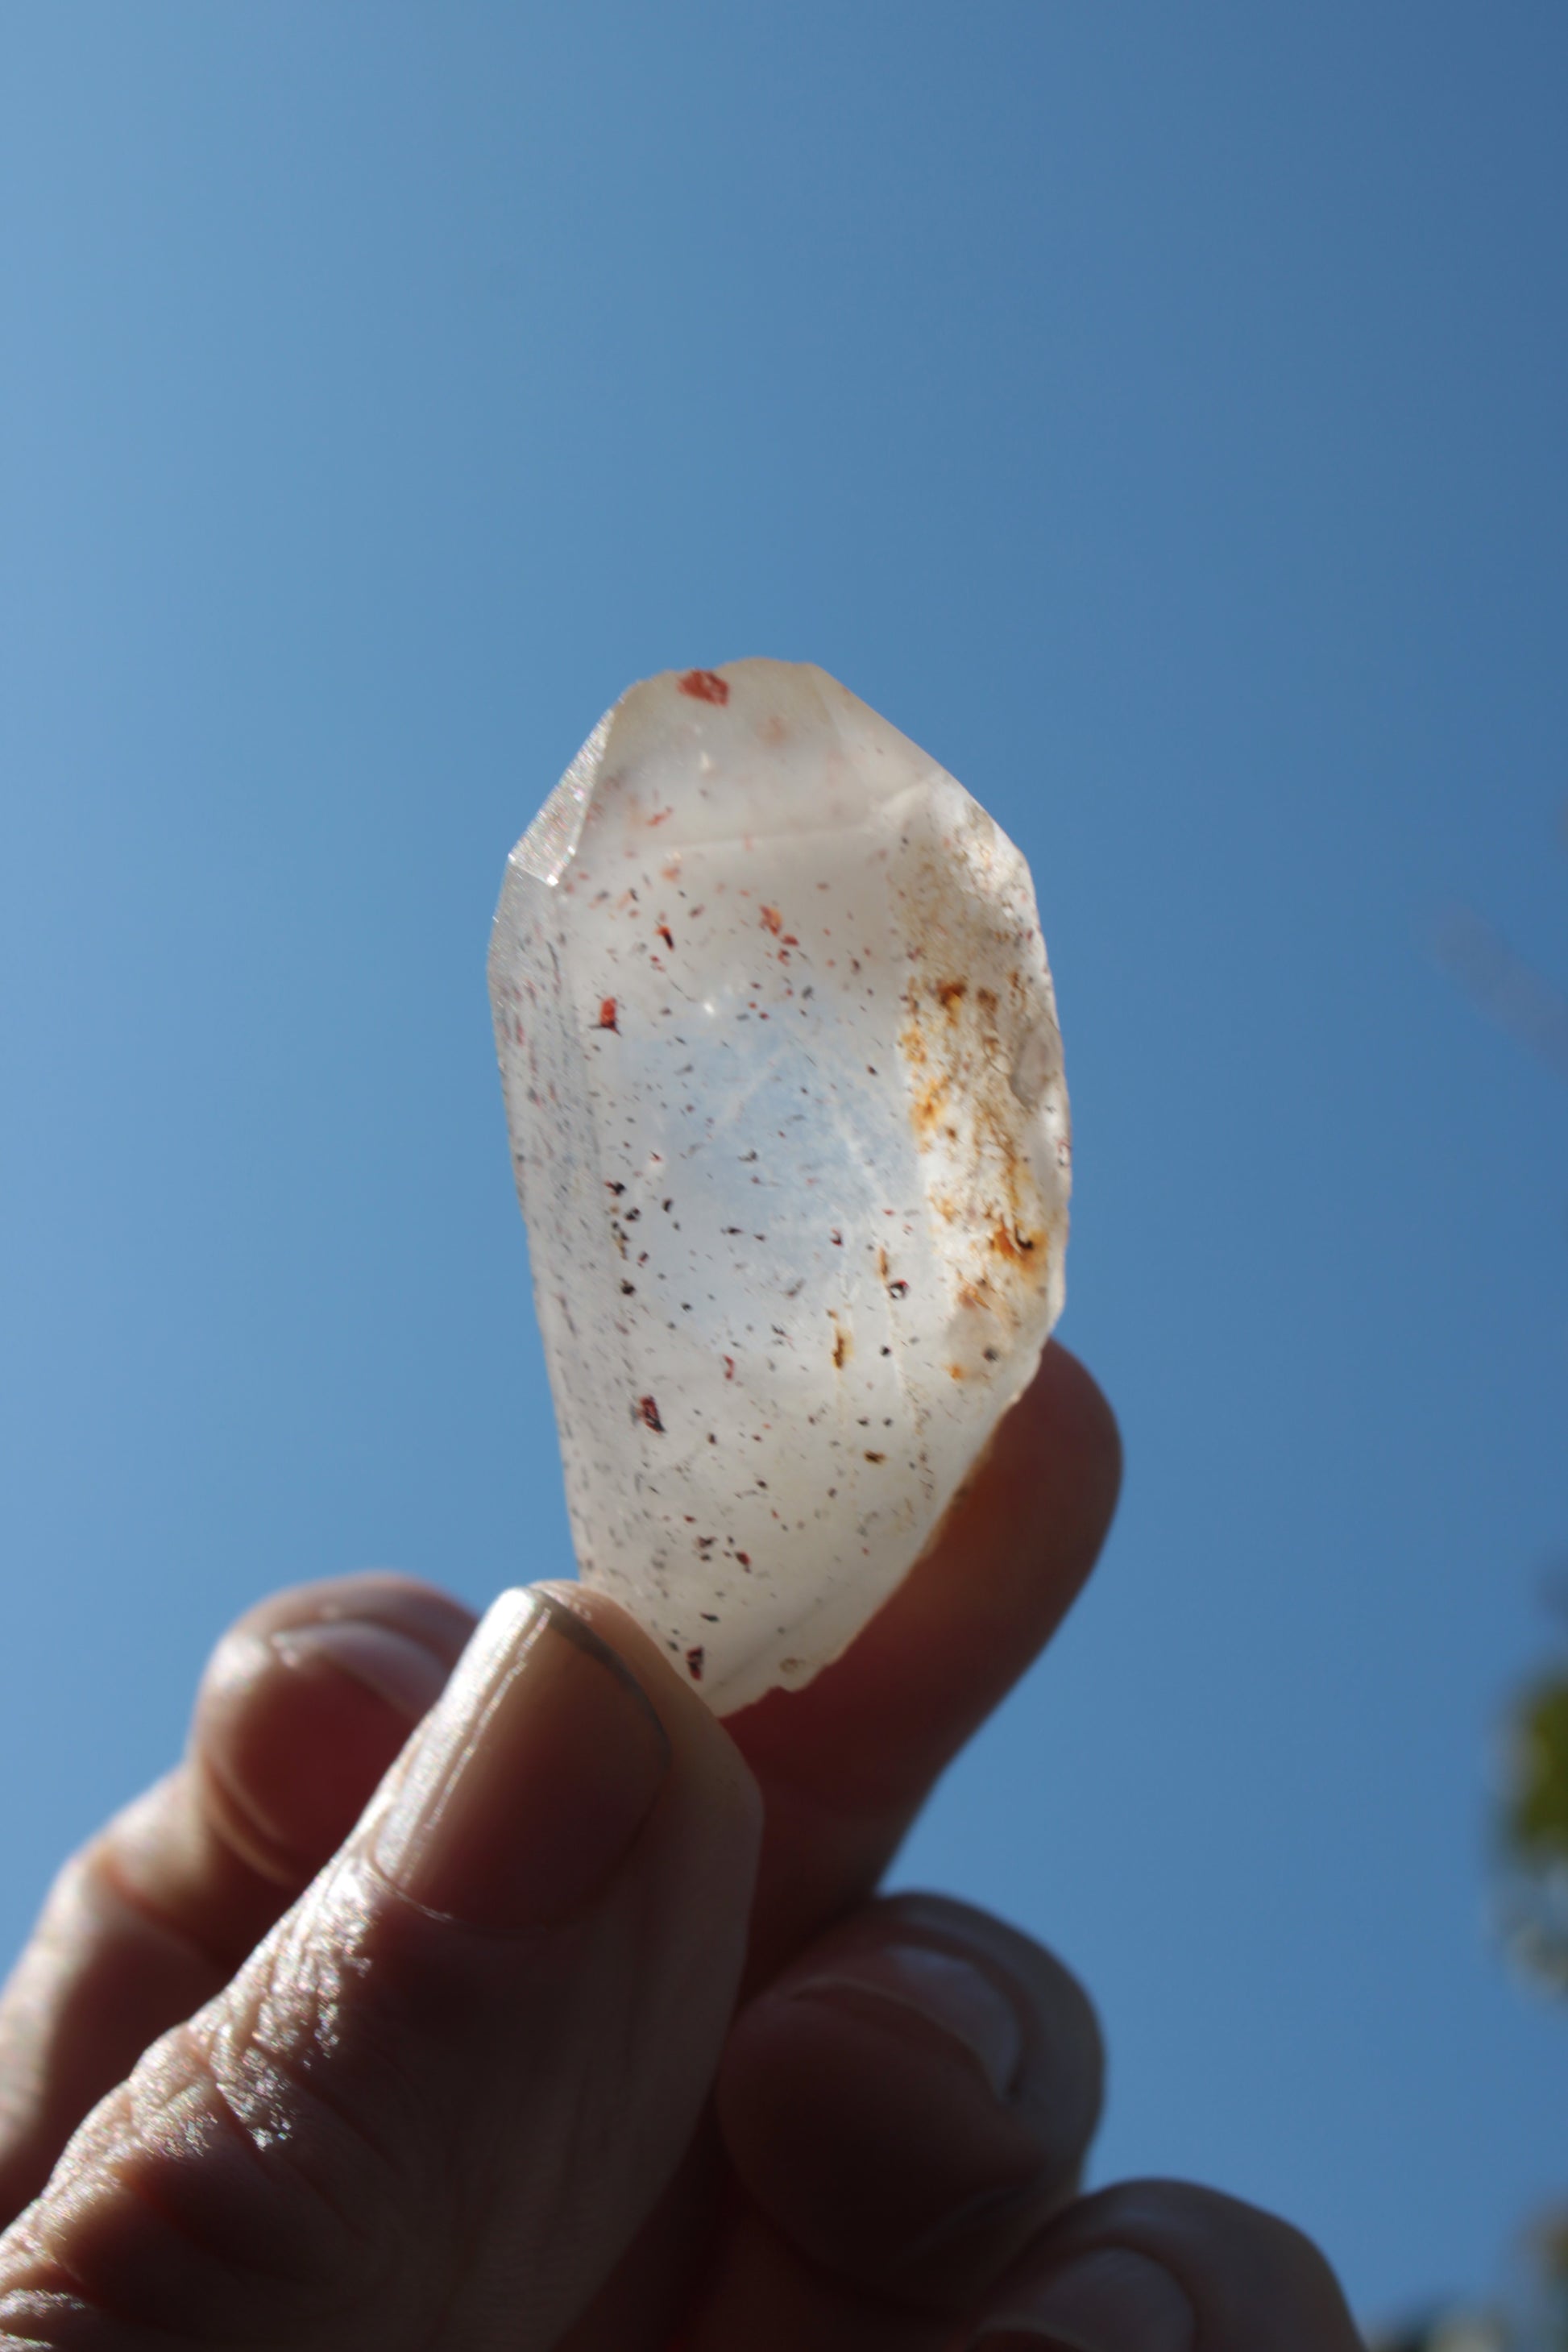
[784, 1082]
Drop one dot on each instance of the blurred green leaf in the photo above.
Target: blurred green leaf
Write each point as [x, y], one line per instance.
[1535, 1821]
[1449, 2331]
[1531, 1828]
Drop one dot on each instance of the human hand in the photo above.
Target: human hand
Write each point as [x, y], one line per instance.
[446, 2071]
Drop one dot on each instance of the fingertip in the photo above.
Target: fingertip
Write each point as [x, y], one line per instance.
[695, 1732]
[1247, 2276]
[1006, 1563]
[1043, 1496]
[305, 1703]
[911, 2096]
[1066, 1394]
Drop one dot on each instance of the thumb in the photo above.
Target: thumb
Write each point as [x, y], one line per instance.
[438, 2099]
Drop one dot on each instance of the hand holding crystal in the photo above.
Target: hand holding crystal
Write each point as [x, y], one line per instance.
[487, 1994]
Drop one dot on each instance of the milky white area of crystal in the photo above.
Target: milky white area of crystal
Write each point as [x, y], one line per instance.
[784, 1087]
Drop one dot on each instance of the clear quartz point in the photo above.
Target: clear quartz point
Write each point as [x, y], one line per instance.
[784, 1087]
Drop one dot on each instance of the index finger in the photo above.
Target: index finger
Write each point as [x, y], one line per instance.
[845, 1764]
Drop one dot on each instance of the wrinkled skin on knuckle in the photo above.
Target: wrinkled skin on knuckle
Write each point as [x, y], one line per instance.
[248, 2181]
[50, 2019]
[176, 2212]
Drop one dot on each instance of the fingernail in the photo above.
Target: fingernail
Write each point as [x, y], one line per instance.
[1112, 2301]
[393, 1665]
[529, 1781]
[925, 1994]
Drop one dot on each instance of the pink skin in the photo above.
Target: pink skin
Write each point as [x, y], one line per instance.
[529, 2006]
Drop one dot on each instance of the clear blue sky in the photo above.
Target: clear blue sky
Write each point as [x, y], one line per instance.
[1159, 413]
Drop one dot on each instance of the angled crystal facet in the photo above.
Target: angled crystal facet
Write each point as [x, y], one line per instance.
[784, 1087]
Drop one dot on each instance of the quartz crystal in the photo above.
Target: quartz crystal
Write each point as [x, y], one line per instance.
[785, 1088]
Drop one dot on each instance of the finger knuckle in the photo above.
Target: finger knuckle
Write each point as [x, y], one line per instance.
[222, 2191]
